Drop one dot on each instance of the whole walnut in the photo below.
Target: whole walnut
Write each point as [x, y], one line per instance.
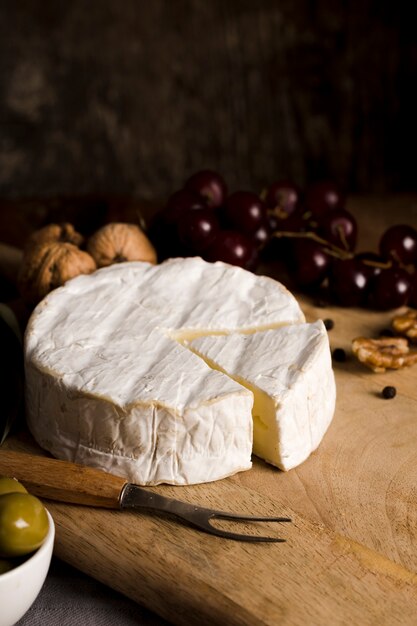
[48, 266]
[118, 242]
[64, 233]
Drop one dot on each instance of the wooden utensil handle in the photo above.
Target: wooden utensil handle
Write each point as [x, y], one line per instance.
[62, 480]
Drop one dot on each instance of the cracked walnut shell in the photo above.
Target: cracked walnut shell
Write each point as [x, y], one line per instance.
[384, 353]
[48, 266]
[119, 242]
[406, 324]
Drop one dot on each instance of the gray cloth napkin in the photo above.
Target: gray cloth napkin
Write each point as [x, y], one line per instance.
[71, 598]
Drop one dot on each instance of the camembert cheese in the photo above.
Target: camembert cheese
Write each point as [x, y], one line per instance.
[112, 379]
[290, 374]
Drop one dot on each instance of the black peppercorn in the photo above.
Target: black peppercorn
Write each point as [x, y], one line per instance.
[389, 392]
[328, 323]
[339, 355]
[386, 332]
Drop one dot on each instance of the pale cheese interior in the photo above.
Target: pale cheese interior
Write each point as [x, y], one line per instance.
[265, 431]
[185, 336]
[289, 374]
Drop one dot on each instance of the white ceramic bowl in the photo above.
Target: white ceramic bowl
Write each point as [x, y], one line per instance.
[20, 586]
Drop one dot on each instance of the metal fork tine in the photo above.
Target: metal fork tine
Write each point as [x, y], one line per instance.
[200, 517]
[248, 518]
[242, 518]
[242, 537]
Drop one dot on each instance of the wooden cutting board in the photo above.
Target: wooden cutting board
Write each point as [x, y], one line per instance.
[351, 552]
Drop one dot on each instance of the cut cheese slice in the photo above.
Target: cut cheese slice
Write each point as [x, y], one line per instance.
[109, 384]
[290, 374]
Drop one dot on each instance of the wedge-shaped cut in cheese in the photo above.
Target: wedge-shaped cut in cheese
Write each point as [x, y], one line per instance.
[149, 419]
[109, 384]
[289, 371]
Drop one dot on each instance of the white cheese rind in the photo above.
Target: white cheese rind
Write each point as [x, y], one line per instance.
[291, 369]
[148, 442]
[108, 385]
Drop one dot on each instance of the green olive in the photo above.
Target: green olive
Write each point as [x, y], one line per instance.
[5, 566]
[23, 524]
[10, 485]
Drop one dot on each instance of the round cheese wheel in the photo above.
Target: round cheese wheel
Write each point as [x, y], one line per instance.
[111, 381]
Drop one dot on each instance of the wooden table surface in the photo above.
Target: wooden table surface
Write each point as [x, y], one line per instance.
[351, 552]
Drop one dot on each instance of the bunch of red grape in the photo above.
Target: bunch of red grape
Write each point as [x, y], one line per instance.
[312, 235]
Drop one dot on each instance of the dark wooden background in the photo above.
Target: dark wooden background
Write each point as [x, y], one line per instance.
[132, 96]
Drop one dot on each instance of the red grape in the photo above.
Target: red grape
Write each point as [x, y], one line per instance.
[323, 196]
[294, 223]
[399, 243]
[232, 247]
[197, 229]
[179, 203]
[245, 211]
[349, 282]
[280, 248]
[202, 219]
[339, 228]
[262, 235]
[273, 222]
[209, 186]
[310, 263]
[282, 196]
[390, 289]
[372, 263]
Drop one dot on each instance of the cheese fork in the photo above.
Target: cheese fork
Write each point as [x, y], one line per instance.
[72, 483]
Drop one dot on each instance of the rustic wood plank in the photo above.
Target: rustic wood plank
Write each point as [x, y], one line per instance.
[350, 555]
[350, 552]
[189, 578]
[361, 481]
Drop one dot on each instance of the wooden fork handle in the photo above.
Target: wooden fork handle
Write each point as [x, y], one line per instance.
[62, 480]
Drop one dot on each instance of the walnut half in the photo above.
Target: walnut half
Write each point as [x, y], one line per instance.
[384, 353]
[406, 324]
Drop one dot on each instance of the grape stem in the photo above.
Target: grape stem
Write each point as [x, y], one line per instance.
[384, 265]
[342, 237]
[333, 250]
[329, 247]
